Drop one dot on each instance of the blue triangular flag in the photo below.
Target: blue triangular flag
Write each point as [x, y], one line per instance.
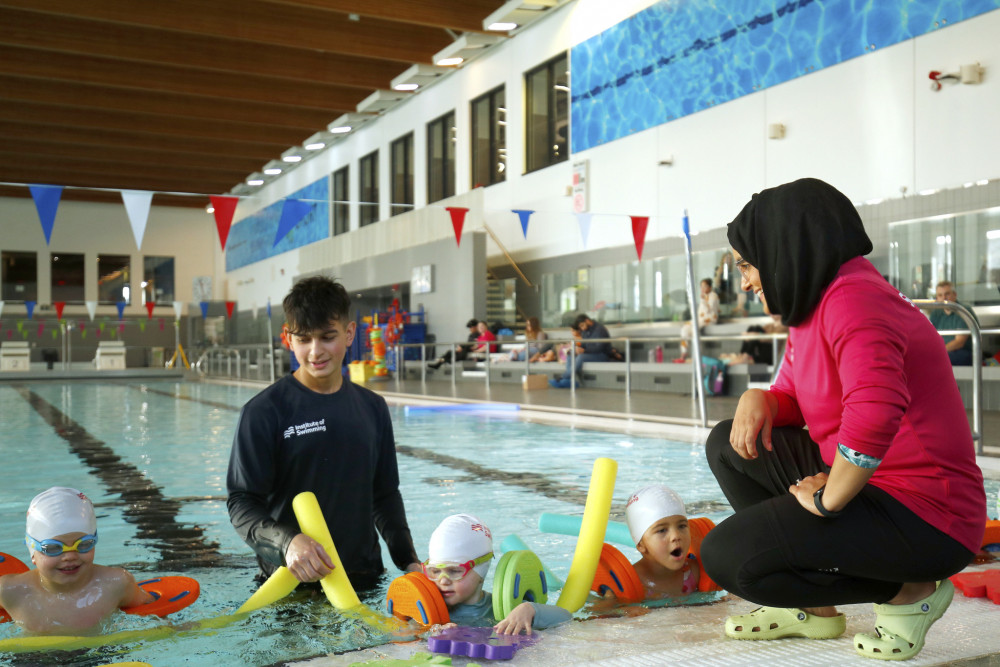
[524, 215]
[30, 305]
[292, 211]
[204, 309]
[121, 308]
[46, 203]
[268, 307]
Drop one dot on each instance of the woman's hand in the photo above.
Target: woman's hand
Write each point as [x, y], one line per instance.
[306, 559]
[517, 620]
[804, 490]
[754, 414]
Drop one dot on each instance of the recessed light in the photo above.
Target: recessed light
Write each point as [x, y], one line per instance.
[273, 171]
[292, 158]
[448, 62]
[341, 129]
[501, 26]
[406, 86]
[256, 181]
[316, 146]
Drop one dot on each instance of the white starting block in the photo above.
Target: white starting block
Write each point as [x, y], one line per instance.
[110, 355]
[15, 356]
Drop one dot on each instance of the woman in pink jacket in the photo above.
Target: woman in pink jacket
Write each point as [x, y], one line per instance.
[881, 499]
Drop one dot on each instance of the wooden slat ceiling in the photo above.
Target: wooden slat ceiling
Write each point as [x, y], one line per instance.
[189, 96]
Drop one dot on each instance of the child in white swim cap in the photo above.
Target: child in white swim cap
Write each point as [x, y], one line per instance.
[659, 527]
[67, 593]
[459, 557]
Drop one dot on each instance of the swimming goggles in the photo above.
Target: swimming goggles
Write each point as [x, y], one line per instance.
[453, 571]
[56, 548]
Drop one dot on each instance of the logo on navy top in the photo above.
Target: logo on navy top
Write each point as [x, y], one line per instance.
[303, 429]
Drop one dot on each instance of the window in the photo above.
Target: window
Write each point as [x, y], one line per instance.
[20, 276]
[157, 280]
[547, 109]
[489, 138]
[113, 275]
[341, 201]
[441, 157]
[67, 277]
[401, 152]
[368, 206]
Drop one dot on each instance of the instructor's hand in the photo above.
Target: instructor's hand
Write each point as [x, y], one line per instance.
[804, 490]
[306, 559]
[753, 416]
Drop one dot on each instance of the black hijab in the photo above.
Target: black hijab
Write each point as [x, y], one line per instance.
[797, 235]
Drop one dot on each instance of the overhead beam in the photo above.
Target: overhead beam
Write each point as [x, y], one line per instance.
[47, 91]
[167, 78]
[139, 44]
[264, 22]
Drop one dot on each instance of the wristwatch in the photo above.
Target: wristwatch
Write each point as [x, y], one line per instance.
[818, 501]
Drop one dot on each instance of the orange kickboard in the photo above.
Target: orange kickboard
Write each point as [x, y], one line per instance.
[979, 584]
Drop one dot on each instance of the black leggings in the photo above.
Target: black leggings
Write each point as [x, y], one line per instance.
[773, 552]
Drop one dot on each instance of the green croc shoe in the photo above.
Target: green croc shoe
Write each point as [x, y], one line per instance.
[776, 623]
[901, 628]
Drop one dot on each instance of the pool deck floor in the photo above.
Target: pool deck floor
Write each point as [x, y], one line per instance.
[968, 634]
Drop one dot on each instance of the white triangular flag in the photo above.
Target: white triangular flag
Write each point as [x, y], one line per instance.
[137, 203]
[91, 308]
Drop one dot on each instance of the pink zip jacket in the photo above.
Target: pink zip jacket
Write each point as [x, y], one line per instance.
[867, 369]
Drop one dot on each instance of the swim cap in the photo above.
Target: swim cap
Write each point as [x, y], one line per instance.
[59, 511]
[648, 505]
[459, 539]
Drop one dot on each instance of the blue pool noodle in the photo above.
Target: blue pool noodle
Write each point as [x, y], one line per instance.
[515, 543]
[562, 524]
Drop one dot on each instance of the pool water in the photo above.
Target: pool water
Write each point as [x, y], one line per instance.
[153, 458]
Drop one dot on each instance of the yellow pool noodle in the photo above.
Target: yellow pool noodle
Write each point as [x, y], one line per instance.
[336, 585]
[588, 545]
[278, 585]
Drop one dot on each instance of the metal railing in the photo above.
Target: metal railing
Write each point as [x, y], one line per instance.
[238, 362]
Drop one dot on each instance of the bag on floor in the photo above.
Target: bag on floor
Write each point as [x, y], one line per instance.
[713, 373]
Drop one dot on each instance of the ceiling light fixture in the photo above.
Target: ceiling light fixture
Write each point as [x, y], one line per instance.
[347, 123]
[255, 181]
[418, 76]
[516, 13]
[465, 48]
[272, 171]
[380, 100]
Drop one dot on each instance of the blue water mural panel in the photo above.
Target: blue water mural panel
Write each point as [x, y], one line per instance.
[678, 57]
[253, 238]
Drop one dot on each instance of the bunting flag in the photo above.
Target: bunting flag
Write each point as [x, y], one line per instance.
[584, 221]
[224, 207]
[204, 308]
[41, 329]
[10, 334]
[82, 326]
[268, 307]
[101, 325]
[20, 325]
[121, 309]
[142, 326]
[121, 328]
[46, 203]
[229, 309]
[137, 203]
[523, 215]
[55, 334]
[30, 306]
[457, 214]
[59, 308]
[91, 309]
[1, 307]
[639, 224]
[161, 324]
[292, 211]
[178, 309]
[149, 309]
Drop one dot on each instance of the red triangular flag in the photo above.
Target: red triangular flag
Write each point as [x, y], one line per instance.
[149, 308]
[229, 308]
[639, 224]
[457, 220]
[59, 308]
[224, 207]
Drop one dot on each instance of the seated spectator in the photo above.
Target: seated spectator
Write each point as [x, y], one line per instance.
[708, 313]
[485, 338]
[757, 350]
[585, 351]
[535, 348]
[462, 352]
[959, 346]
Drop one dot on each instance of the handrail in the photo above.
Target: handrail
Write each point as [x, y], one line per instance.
[206, 363]
[507, 255]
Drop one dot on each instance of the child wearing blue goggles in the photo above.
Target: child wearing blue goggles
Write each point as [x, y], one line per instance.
[66, 593]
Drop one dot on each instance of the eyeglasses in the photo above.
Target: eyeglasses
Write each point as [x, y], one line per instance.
[453, 571]
[56, 548]
[744, 267]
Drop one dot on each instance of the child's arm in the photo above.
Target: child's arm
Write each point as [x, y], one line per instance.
[528, 615]
[132, 596]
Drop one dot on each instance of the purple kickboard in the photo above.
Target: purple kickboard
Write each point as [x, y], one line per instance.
[478, 643]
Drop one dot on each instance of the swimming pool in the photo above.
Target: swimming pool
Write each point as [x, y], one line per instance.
[153, 457]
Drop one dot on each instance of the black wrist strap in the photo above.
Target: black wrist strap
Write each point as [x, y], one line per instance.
[818, 501]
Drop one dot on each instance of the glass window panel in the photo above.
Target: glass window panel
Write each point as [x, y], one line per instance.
[20, 276]
[402, 175]
[368, 206]
[341, 203]
[113, 284]
[489, 138]
[158, 280]
[68, 277]
[441, 138]
[547, 114]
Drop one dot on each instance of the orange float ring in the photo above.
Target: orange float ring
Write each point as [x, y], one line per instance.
[9, 565]
[616, 574]
[171, 594]
[415, 596]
